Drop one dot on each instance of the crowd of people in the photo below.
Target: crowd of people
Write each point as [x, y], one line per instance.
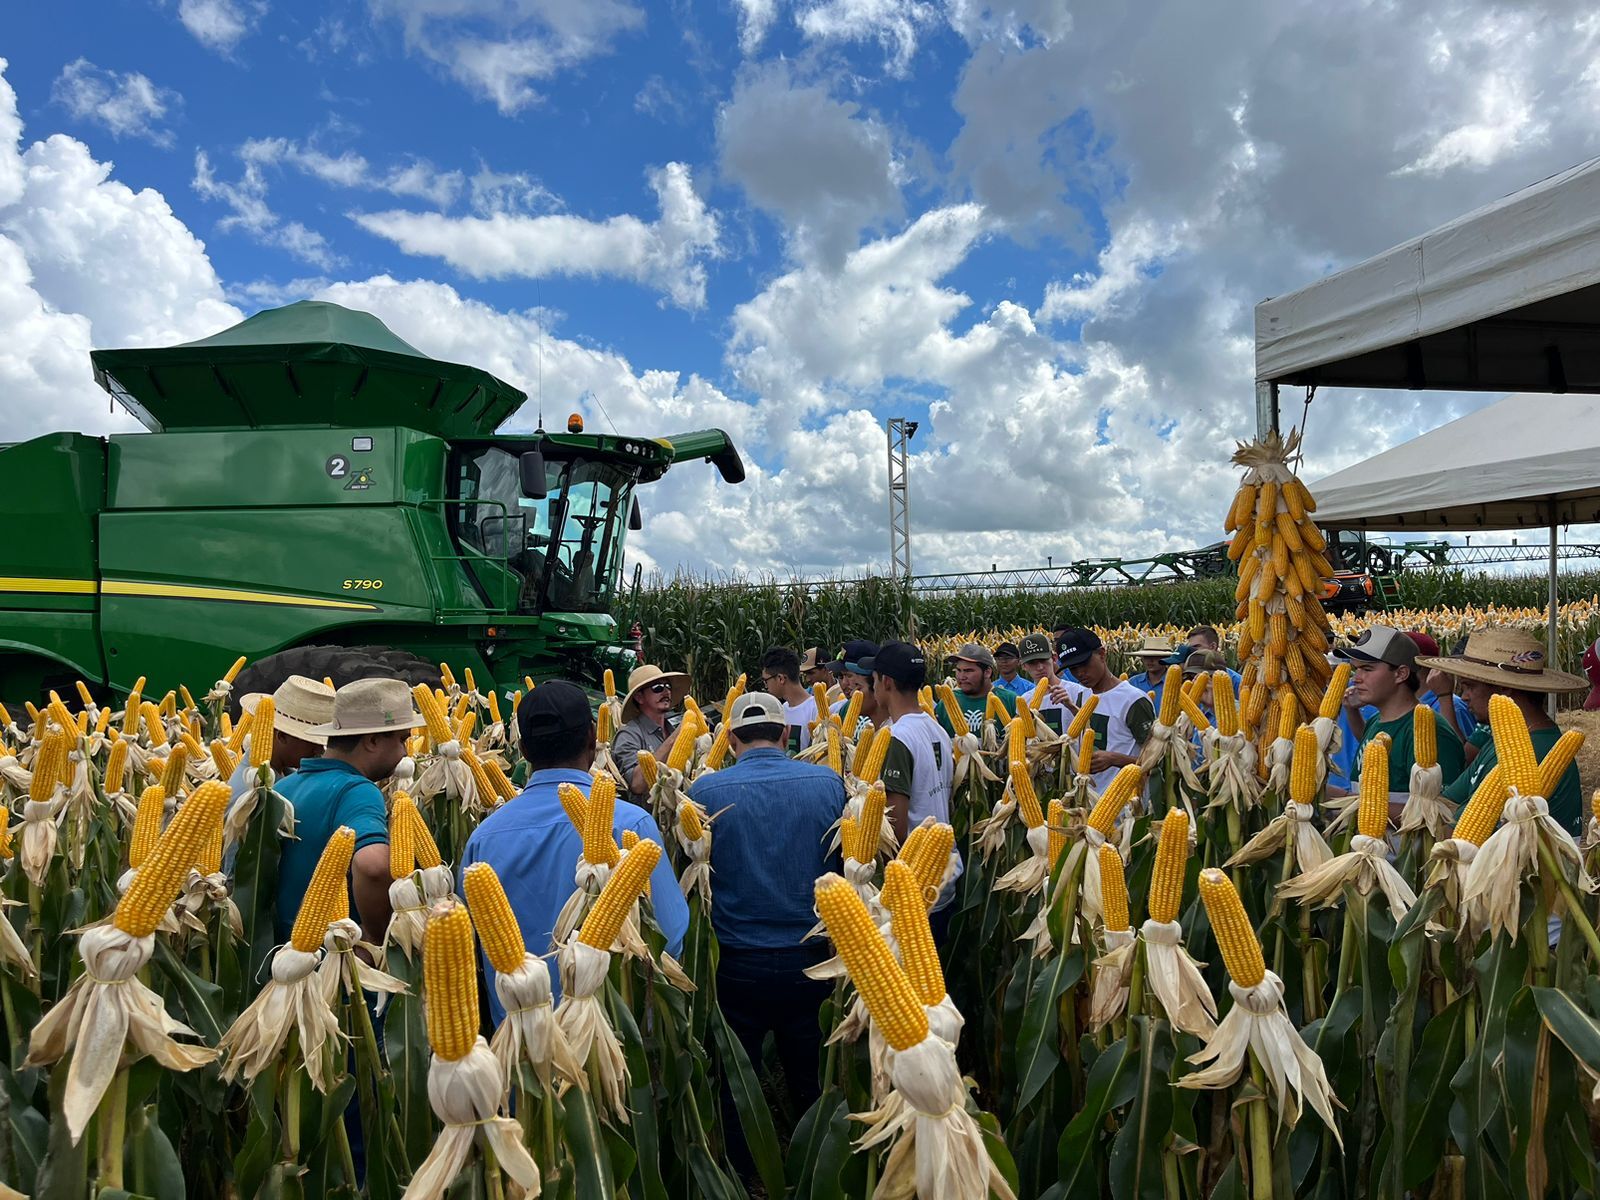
[775, 813]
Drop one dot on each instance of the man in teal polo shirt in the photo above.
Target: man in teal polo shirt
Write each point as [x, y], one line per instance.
[1386, 676]
[1513, 663]
[372, 718]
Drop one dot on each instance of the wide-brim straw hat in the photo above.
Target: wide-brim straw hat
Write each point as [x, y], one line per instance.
[1507, 658]
[300, 707]
[372, 706]
[1152, 647]
[643, 677]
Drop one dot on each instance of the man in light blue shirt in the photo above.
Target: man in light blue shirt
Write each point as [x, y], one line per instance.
[768, 847]
[533, 847]
[1008, 672]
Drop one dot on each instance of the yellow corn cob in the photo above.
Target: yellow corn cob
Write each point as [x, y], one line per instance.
[1372, 818]
[882, 985]
[1025, 715]
[173, 775]
[156, 885]
[1425, 736]
[446, 676]
[1288, 716]
[236, 735]
[209, 861]
[1241, 542]
[432, 714]
[263, 732]
[1171, 693]
[188, 701]
[116, 766]
[952, 711]
[908, 921]
[1482, 813]
[1080, 719]
[491, 913]
[1016, 742]
[527, 683]
[426, 849]
[1056, 819]
[1196, 716]
[503, 786]
[649, 767]
[169, 705]
[465, 725]
[849, 835]
[1513, 748]
[870, 825]
[609, 682]
[60, 712]
[1116, 797]
[574, 802]
[1027, 798]
[6, 848]
[132, 714]
[1594, 804]
[630, 839]
[1225, 703]
[819, 696]
[402, 836]
[192, 747]
[1266, 502]
[1236, 937]
[480, 778]
[617, 898]
[5, 716]
[146, 825]
[1555, 764]
[1086, 753]
[599, 816]
[719, 750]
[1041, 690]
[603, 733]
[84, 694]
[852, 714]
[1303, 766]
[494, 706]
[450, 977]
[835, 751]
[689, 817]
[50, 766]
[321, 906]
[1333, 695]
[1172, 857]
[995, 710]
[232, 672]
[1113, 889]
[1253, 706]
[932, 860]
[1244, 508]
[683, 746]
[873, 767]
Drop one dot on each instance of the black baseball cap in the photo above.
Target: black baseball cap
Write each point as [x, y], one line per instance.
[853, 656]
[1180, 656]
[901, 662]
[1077, 646]
[552, 708]
[1005, 648]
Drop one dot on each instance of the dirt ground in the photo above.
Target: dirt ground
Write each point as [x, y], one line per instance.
[1589, 756]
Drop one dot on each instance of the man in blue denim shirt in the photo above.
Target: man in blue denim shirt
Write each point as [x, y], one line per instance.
[533, 847]
[768, 845]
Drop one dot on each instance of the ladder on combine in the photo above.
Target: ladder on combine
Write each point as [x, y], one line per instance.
[1385, 592]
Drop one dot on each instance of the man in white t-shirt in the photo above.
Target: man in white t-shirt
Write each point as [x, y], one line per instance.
[920, 766]
[780, 675]
[1123, 716]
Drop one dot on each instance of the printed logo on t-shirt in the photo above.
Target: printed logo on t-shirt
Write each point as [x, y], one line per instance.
[938, 756]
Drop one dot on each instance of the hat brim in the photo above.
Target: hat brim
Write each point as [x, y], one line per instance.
[1545, 681]
[306, 731]
[680, 689]
[333, 729]
[977, 662]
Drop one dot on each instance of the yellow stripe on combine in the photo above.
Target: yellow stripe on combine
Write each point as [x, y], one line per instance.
[174, 591]
[71, 587]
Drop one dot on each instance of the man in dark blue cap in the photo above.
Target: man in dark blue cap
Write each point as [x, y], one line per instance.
[532, 845]
[856, 677]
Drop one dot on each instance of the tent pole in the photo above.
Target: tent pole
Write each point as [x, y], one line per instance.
[1554, 608]
[1266, 408]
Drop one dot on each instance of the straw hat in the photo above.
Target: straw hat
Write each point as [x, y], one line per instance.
[372, 706]
[644, 677]
[1507, 658]
[301, 706]
[1153, 647]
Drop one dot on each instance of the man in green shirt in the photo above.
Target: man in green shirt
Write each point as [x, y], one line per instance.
[1384, 674]
[974, 671]
[1512, 663]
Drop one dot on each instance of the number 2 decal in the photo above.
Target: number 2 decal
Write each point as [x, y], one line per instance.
[338, 466]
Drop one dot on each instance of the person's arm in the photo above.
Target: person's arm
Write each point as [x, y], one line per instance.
[898, 767]
[369, 870]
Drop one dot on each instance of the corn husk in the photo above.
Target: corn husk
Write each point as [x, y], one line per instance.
[1491, 893]
[1029, 876]
[695, 879]
[1366, 868]
[465, 1096]
[244, 808]
[582, 1018]
[1108, 995]
[1426, 810]
[530, 1032]
[296, 996]
[1175, 979]
[1296, 821]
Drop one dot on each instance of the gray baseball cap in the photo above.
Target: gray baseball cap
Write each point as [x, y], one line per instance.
[972, 652]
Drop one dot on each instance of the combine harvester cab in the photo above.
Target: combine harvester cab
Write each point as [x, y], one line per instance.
[309, 478]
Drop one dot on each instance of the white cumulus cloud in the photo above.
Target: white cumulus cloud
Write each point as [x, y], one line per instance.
[125, 103]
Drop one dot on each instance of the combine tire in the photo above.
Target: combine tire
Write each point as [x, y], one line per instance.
[342, 664]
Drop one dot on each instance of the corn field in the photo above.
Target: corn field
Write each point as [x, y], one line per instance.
[1210, 978]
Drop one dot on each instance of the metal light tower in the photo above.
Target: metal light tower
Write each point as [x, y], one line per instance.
[901, 432]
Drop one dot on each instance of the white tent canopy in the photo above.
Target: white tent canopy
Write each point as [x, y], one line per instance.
[1504, 299]
[1523, 462]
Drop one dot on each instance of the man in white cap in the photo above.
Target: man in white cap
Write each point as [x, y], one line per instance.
[372, 720]
[652, 695]
[1512, 663]
[299, 706]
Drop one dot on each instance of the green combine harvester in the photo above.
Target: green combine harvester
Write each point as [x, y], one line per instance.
[315, 492]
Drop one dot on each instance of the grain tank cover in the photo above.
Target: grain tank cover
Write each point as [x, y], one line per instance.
[307, 364]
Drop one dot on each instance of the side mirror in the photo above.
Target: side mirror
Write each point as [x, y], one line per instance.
[635, 516]
[534, 486]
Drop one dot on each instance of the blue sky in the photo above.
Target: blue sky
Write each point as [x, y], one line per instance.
[1040, 228]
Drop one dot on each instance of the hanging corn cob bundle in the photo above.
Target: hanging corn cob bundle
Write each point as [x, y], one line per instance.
[1293, 832]
[296, 998]
[1529, 841]
[108, 1011]
[594, 816]
[585, 960]
[1282, 564]
[465, 1081]
[1173, 976]
[935, 1146]
[1366, 866]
